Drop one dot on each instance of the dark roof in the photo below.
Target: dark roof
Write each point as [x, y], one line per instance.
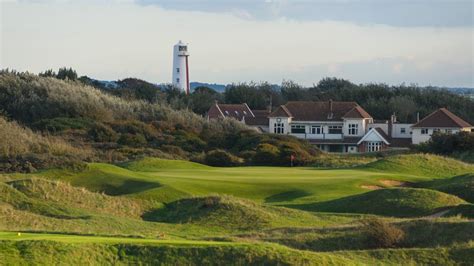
[320, 111]
[442, 118]
[400, 142]
[357, 112]
[382, 133]
[237, 111]
[260, 118]
[256, 121]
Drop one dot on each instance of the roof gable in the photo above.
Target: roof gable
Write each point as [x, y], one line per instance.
[281, 111]
[357, 112]
[378, 133]
[442, 118]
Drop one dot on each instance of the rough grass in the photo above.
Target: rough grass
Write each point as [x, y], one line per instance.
[53, 249]
[397, 202]
[422, 165]
[239, 214]
[183, 210]
[57, 192]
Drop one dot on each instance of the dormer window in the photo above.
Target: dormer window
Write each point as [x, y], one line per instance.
[237, 113]
[227, 112]
[245, 113]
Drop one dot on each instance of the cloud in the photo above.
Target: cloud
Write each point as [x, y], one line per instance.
[413, 13]
[116, 41]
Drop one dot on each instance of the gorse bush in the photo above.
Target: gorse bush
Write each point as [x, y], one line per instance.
[381, 234]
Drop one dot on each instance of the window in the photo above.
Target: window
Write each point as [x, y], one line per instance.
[183, 48]
[436, 130]
[424, 131]
[298, 129]
[335, 129]
[177, 80]
[353, 129]
[449, 131]
[317, 130]
[403, 130]
[279, 128]
[177, 70]
[374, 146]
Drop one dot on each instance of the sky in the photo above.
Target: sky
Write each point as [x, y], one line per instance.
[424, 42]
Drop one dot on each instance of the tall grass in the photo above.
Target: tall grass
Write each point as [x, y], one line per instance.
[16, 140]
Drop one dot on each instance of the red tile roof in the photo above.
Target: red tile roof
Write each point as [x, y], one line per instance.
[281, 111]
[357, 112]
[320, 111]
[442, 118]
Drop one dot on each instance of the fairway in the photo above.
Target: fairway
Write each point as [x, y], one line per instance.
[166, 181]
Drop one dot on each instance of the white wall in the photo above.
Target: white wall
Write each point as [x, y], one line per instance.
[285, 120]
[418, 138]
[359, 122]
[396, 130]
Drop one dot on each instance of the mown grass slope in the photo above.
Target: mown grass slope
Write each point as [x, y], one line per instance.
[433, 166]
[398, 202]
[461, 186]
[168, 181]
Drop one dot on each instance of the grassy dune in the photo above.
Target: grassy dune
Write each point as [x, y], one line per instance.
[177, 212]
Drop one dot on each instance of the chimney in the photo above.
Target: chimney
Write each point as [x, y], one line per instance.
[330, 114]
[418, 117]
[392, 120]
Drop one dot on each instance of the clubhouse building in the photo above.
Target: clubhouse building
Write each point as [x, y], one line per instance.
[343, 127]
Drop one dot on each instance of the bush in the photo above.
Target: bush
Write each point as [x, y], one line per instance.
[381, 234]
[134, 140]
[102, 133]
[221, 158]
[267, 154]
[62, 123]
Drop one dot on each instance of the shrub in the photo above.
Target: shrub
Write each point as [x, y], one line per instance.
[267, 154]
[381, 234]
[102, 133]
[134, 140]
[62, 123]
[221, 158]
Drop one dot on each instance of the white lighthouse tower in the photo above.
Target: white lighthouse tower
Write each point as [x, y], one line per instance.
[181, 67]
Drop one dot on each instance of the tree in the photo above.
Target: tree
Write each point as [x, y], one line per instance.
[202, 99]
[67, 73]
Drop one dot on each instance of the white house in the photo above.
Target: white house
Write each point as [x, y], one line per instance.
[330, 125]
[441, 120]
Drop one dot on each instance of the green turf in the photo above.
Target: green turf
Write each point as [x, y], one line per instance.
[399, 202]
[461, 186]
[174, 212]
[274, 185]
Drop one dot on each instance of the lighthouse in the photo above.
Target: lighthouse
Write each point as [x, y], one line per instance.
[181, 67]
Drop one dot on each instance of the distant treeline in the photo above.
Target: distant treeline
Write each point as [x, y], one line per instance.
[380, 100]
